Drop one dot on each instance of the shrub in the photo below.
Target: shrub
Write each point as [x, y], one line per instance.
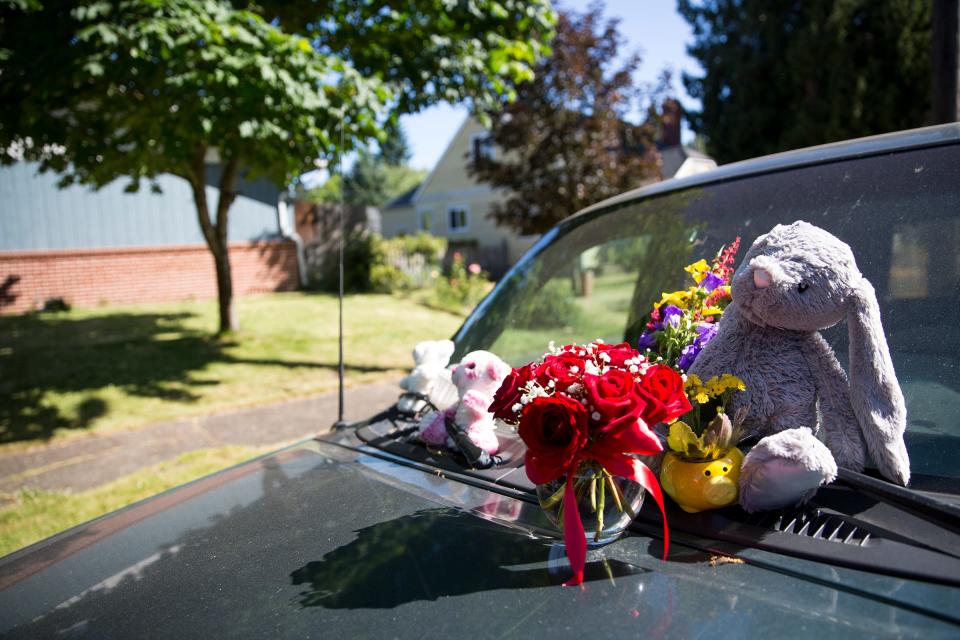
[386, 278]
[418, 257]
[431, 247]
[373, 264]
[462, 286]
[362, 252]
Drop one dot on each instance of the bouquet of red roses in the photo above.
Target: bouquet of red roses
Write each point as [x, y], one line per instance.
[590, 408]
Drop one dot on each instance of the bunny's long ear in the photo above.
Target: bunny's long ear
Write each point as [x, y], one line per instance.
[874, 391]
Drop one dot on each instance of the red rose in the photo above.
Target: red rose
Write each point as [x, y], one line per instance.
[509, 394]
[618, 353]
[564, 369]
[554, 428]
[613, 396]
[662, 387]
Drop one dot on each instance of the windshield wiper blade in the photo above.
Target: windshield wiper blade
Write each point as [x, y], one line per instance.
[945, 514]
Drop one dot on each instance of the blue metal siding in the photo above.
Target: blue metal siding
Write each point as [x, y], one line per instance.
[35, 214]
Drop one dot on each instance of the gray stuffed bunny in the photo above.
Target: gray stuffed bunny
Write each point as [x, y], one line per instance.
[793, 282]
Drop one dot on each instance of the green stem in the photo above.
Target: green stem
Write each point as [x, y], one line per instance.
[626, 505]
[593, 494]
[614, 490]
[554, 499]
[600, 506]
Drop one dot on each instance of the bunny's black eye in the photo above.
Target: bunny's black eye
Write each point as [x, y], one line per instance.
[803, 286]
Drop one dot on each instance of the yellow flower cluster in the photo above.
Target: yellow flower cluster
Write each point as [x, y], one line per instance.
[682, 299]
[701, 392]
[678, 299]
[698, 270]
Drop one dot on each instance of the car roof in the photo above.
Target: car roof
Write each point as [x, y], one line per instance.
[835, 151]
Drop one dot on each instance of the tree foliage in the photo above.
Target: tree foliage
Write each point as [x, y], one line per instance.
[566, 141]
[100, 90]
[140, 88]
[371, 182]
[428, 51]
[395, 148]
[783, 74]
[375, 178]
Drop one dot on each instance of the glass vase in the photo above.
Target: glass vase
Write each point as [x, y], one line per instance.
[607, 503]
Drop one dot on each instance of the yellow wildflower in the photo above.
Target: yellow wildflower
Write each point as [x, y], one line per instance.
[711, 311]
[713, 387]
[695, 390]
[730, 381]
[698, 270]
[676, 298]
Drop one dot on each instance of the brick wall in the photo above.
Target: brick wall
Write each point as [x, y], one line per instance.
[90, 277]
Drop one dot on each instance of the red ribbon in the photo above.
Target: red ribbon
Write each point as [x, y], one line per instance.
[618, 464]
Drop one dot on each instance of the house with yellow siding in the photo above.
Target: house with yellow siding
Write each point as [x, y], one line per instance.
[452, 204]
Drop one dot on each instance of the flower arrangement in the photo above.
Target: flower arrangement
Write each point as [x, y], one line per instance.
[702, 467]
[683, 322]
[706, 432]
[585, 412]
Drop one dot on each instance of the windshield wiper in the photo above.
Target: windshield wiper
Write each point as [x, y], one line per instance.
[945, 514]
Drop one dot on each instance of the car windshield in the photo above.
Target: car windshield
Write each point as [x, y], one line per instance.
[600, 273]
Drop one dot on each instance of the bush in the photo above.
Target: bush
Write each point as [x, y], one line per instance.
[431, 247]
[386, 278]
[553, 305]
[373, 264]
[362, 255]
[463, 286]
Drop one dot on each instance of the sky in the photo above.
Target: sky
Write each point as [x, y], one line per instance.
[651, 26]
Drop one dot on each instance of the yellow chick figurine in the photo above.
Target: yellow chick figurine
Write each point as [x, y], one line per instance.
[698, 486]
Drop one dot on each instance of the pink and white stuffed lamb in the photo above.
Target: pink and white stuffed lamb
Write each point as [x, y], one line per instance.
[477, 378]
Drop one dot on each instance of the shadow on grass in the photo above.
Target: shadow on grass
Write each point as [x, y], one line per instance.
[145, 355]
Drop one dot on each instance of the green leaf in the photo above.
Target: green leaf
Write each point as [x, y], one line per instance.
[683, 440]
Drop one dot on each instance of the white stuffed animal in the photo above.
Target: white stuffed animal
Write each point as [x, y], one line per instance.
[477, 378]
[431, 376]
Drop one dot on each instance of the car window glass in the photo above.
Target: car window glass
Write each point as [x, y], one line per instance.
[899, 212]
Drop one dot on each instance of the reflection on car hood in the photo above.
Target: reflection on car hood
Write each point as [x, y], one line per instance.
[320, 540]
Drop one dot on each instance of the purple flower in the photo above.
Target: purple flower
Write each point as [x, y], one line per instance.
[647, 341]
[706, 333]
[711, 282]
[671, 315]
[687, 355]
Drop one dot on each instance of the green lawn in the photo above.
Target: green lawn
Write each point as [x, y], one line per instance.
[601, 315]
[125, 367]
[35, 515]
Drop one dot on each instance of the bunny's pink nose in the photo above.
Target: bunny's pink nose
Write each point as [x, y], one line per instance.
[761, 278]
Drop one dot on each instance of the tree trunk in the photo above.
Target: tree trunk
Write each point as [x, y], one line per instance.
[215, 231]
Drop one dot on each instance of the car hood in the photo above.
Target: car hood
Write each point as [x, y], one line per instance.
[322, 540]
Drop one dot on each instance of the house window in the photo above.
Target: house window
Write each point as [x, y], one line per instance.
[426, 220]
[459, 218]
[481, 148]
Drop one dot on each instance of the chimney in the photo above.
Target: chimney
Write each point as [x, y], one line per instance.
[672, 112]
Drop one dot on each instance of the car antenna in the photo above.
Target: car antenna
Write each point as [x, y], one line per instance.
[340, 423]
